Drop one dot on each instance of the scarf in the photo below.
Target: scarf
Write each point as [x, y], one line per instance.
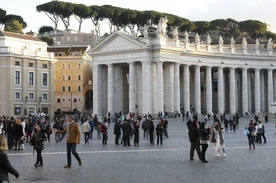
[68, 130]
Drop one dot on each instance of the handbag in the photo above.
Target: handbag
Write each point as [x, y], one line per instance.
[253, 133]
[213, 140]
[246, 132]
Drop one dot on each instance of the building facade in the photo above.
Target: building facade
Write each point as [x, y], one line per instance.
[27, 75]
[148, 75]
[73, 78]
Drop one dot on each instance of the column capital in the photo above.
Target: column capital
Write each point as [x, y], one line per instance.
[131, 63]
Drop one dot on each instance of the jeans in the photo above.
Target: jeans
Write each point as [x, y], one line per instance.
[194, 146]
[159, 137]
[91, 133]
[39, 159]
[104, 141]
[117, 136]
[71, 147]
[86, 137]
[57, 137]
[98, 134]
[151, 138]
[126, 141]
[250, 140]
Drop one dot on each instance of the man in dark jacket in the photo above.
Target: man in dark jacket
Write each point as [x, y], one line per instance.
[117, 131]
[126, 128]
[194, 139]
[151, 131]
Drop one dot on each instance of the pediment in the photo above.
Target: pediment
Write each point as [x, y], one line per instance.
[118, 41]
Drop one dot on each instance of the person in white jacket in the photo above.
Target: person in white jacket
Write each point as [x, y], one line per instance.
[86, 129]
[23, 123]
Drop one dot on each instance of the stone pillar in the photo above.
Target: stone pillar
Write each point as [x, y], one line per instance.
[209, 96]
[176, 88]
[232, 91]
[147, 87]
[220, 91]
[197, 90]
[262, 90]
[110, 89]
[269, 88]
[186, 89]
[257, 92]
[160, 95]
[249, 89]
[96, 90]
[244, 91]
[132, 87]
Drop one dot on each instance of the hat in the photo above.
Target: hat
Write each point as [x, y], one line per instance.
[215, 124]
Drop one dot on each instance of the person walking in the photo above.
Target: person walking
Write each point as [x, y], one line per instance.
[117, 131]
[251, 134]
[159, 131]
[126, 128]
[48, 130]
[18, 134]
[194, 139]
[86, 129]
[151, 131]
[103, 129]
[5, 165]
[136, 127]
[39, 138]
[204, 139]
[92, 126]
[73, 134]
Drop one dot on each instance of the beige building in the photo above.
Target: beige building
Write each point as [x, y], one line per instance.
[27, 75]
[73, 78]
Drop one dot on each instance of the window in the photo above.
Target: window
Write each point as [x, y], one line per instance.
[31, 96]
[63, 66]
[17, 63]
[17, 110]
[58, 100]
[79, 66]
[69, 88]
[31, 64]
[38, 49]
[84, 38]
[44, 66]
[75, 38]
[44, 96]
[90, 38]
[69, 77]
[68, 38]
[79, 77]
[45, 110]
[63, 77]
[75, 100]
[69, 66]
[17, 95]
[31, 78]
[17, 77]
[79, 88]
[63, 88]
[44, 79]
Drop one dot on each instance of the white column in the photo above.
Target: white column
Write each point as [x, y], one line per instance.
[220, 91]
[274, 85]
[132, 87]
[96, 88]
[244, 91]
[257, 91]
[160, 95]
[176, 88]
[197, 90]
[262, 90]
[110, 89]
[186, 89]
[269, 89]
[209, 96]
[147, 87]
[232, 91]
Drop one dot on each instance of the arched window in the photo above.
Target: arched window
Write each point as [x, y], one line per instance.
[69, 77]
[63, 88]
[75, 100]
[69, 66]
[69, 88]
[79, 88]
[63, 66]
[79, 65]
[79, 77]
[58, 100]
[63, 77]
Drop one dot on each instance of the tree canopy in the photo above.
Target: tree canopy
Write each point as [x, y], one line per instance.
[14, 26]
[45, 29]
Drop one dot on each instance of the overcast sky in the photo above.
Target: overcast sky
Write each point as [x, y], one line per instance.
[194, 10]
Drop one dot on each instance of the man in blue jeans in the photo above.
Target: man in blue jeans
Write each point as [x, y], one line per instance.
[73, 134]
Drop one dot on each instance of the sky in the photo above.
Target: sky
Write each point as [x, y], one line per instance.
[194, 10]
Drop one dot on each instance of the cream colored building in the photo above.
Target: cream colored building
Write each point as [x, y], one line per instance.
[73, 78]
[27, 75]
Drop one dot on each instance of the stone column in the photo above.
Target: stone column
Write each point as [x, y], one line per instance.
[209, 96]
[220, 91]
[176, 88]
[244, 91]
[186, 89]
[197, 90]
[257, 91]
[132, 87]
[110, 89]
[269, 88]
[147, 87]
[96, 90]
[232, 91]
[249, 89]
[160, 95]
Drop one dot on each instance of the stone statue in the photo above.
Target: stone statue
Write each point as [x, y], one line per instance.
[145, 31]
[208, 40]
[162, 26]
[257, 46]
[186, 37]
[175, 33]
[220, 41]
[232, 42]
[197, 39]
[270, 44]
[244, 43]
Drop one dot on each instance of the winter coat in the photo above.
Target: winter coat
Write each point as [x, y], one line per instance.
[74, 133]
[17, 131]
[194, 133]
[151, 127]
[86, 127]
[39, 138]
[6, 167]
[117, 129]
[159, 129]
[126, 128]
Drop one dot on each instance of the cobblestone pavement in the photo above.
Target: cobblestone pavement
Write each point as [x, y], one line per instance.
[169, 163]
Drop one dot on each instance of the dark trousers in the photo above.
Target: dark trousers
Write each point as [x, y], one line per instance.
[250, 140]
[104, 140]
[117, 139]
[17, 142]
[48, 137]
[136, 138]
[10, 140]
[151, 138]
[71, 147]
[86, 137]
[159, 137]
[203, 151]
[91, 133]
[126, 141]
[194, 146]
[39, 159]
